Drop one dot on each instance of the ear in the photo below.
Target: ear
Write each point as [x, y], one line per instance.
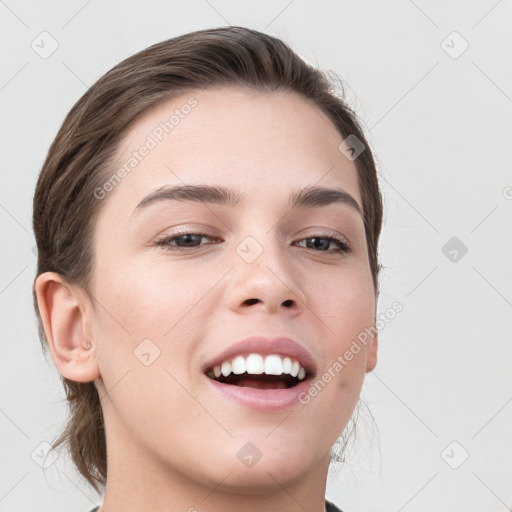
[66, 318]
[371, 353]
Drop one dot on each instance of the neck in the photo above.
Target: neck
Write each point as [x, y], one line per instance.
[141, 480]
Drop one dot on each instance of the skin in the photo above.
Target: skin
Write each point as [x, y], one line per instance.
[172, 442]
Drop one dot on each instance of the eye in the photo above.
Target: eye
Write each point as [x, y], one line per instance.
[182, 241]
[322, 243]
[189, 240]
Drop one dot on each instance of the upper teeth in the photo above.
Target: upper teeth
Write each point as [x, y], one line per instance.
[255, 364]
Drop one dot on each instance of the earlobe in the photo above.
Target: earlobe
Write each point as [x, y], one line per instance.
[64, 319]
[371, 354]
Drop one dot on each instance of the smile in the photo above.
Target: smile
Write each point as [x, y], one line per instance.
[273, 371]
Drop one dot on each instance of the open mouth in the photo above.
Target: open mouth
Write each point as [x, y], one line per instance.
[263, 381]
[261, 374]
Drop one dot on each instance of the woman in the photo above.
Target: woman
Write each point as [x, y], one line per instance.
[207, 222]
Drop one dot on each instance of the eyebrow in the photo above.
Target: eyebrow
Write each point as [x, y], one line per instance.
[308, 197]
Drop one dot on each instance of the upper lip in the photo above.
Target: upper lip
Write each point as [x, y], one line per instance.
[265, 346]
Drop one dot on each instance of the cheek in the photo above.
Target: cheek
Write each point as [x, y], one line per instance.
[346, 306]
[347, 309]
[146, 339]
[148, 401]
[151, 298]
[152, 313]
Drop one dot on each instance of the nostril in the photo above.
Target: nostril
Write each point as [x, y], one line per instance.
[250, 302]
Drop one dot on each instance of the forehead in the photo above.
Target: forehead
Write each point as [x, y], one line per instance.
[259, 142]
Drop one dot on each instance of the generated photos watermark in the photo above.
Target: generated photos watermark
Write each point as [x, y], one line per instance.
[152, 140]
[343, 359]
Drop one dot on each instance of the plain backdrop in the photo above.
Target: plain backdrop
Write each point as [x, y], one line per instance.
[432, 82]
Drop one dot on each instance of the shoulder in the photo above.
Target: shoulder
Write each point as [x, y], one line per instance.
[329, 507]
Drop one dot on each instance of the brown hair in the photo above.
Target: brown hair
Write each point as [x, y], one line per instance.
[81, 159]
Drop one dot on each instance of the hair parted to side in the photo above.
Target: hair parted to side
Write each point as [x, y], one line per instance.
[81, 159]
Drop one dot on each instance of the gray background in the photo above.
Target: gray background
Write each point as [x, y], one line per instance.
[439, 119]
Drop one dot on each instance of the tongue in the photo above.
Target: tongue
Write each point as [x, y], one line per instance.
[260, 384]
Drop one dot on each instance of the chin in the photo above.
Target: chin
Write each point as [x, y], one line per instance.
[254, 468]
[262, 477]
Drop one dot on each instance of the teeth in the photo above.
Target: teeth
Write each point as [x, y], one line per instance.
[295, 369]
[238, 366]
[226, 368]
[255, 364]
[273, 365]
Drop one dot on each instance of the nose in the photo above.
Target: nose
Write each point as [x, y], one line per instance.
[268, 284]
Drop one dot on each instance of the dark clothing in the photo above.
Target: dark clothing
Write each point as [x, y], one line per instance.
[330, 507]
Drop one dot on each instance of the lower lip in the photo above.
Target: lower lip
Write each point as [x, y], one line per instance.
[262, 399]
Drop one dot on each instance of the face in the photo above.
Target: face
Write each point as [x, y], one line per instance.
[178, 282]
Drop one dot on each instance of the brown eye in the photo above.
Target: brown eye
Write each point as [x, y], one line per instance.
[322, 243]
[182, 241]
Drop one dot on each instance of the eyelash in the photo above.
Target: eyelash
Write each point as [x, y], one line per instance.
[165, 242]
